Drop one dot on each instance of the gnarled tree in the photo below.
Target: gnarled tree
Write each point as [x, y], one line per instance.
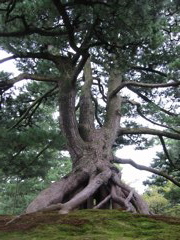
[94, 53]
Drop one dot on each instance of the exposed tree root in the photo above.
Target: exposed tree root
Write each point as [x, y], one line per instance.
[56, 192]
[105, 200]
[104, 190]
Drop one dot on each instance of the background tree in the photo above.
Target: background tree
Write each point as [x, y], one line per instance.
[163, 199]
[93, 61]
[16, 193]
[156, 201]
[30, 153]
[162, 195]
[168, 161]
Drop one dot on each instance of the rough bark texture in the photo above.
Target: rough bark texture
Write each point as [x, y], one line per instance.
[94, 181]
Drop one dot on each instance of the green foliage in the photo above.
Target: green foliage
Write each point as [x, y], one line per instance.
[173, 211]
[137, 33]
[17, 193]
[156, 201]
[161, 162]
[27, 151]
[30, 154]
[162, 191]
[164, 200]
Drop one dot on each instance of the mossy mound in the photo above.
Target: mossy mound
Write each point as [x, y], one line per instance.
[89, 225]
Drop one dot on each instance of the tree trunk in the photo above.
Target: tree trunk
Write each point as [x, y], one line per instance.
[94, 181]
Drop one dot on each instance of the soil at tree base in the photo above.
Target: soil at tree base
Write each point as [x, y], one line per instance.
[89, 225]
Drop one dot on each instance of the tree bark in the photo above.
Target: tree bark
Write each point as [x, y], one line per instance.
[94, 181]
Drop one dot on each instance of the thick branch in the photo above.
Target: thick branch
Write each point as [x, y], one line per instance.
[68, 120]
[32, 30]
[62, 11]
[112, 118]
[144, 85]
[149, 131]
[86, 119]
[79, 67]
[57, 190]
[57, 59]
[87, 3]
[141, 167]
[128, 199]
[118, 199]
[24, 76]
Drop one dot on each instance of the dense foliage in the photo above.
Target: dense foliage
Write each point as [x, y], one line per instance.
[34, 159]
[168, 161]
[164, 200]
[163, 197]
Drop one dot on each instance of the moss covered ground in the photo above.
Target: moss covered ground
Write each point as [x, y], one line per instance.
[89, 225]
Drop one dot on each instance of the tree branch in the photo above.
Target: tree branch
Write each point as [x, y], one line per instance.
[40, 55]
[141, 167]
[113, 101]
[32, 31]
[23, 76]
[7, 59]
[62, 11]
[99, 205]
[146, 99]
[96, 110]
[144, 130]
[144, 85]
[86, 3]
[35, 158]
[138, 107]
[79, 67]
[166, 151]
[37, 101]
[149, 70]
[86, 117]
[101, 89]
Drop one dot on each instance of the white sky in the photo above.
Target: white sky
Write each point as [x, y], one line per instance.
[130, 175]
[7, 66]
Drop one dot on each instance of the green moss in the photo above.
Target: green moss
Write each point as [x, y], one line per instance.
[91, 225]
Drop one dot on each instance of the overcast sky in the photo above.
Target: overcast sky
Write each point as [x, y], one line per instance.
[132, 176]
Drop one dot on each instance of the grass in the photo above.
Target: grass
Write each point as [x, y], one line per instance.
[90, 225]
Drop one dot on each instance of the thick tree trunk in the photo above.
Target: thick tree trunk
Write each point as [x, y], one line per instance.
[94, 181]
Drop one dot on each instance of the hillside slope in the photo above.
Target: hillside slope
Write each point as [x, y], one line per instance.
[89, 225]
